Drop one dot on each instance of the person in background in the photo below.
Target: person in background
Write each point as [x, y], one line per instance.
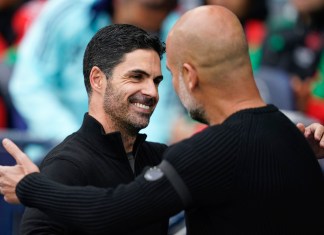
[16, 17]
[251, 171]
[294, 51]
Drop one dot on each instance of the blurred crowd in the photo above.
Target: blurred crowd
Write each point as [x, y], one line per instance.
[42, 44]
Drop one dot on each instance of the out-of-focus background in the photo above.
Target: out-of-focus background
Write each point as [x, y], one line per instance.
[42, 94]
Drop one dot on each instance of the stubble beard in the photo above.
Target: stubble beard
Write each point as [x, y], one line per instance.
[121, 115]
[194, 109]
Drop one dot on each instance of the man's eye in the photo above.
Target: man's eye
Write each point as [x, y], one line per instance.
[137, 76]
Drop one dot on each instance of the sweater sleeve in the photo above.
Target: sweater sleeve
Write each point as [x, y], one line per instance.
[35, 221]
[97, 210]
[205, 163]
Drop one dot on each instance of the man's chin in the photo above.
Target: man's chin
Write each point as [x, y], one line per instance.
[140, 124]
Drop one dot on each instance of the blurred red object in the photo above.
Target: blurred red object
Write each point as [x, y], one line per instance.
[25, 16]
[3, 114]
[255, 31]
[315, 108]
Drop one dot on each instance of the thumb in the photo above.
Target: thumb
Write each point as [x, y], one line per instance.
[20, 157]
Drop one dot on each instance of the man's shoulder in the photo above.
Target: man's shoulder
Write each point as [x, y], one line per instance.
[154, 146]
[73, 149]
[151, 152]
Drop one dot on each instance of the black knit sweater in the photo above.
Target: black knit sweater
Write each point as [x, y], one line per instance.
[253, 174]
[92, 157]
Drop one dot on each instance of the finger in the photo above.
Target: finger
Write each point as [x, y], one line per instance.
[310, 130]
[301, 127]
[317, 130]
[322, 142]
[8, 189]
[318, 135]
[2, 171]
[11, 198]
[20, 157]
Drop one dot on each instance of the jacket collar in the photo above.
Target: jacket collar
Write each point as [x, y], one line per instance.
[110, 143]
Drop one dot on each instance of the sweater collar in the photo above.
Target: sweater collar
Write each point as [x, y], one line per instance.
[110, 143]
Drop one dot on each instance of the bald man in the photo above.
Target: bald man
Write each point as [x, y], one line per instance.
[250, 172]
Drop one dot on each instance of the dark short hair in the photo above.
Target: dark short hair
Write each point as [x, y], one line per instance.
[109, 45]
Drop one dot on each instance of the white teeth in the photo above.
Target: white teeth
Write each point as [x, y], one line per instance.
[142, 106]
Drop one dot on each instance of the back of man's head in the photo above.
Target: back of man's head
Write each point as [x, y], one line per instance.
[109, 45]
[212, 39]
[208, 52]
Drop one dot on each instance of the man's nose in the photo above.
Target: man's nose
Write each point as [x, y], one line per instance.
[150, 89]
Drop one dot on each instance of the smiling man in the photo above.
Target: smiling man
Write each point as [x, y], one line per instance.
[122, 73]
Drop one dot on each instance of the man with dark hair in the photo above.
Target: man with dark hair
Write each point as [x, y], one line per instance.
[51, 78]
[250, 172]
[122, 72]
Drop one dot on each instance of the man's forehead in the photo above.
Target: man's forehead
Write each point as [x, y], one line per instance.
[141, 52]
[141, 59]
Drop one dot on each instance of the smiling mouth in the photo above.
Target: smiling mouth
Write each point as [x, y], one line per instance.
[142, 106]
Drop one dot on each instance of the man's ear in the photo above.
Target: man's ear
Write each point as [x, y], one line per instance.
[97, 79]
[190, 76]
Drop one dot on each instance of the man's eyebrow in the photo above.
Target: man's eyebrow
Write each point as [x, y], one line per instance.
[144, 73]
[139, 71]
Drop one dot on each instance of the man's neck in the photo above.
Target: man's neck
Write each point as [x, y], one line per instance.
[128, 141]
[243, 95]
[109, 126]
[128, 137]
[223, 111]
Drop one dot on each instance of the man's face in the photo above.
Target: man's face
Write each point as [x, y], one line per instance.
[132, 90]
[195, 110]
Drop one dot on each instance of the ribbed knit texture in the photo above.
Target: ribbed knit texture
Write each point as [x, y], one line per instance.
[253, 174]
[91, 157]
[91, 208]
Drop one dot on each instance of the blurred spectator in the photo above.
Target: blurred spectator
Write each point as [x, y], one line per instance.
[8, 32]
[295, 50]
[47, 84]
[15, 18]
